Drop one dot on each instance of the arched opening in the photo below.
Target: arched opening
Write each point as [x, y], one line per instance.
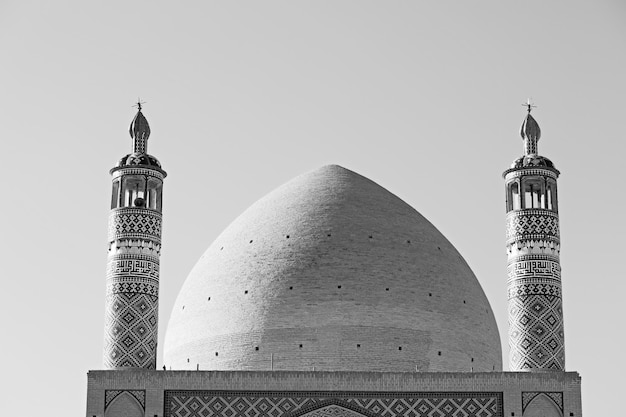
[154, 196]
[115, 194]
[533, 193]
[542, 406]
[513, 196]
[124, 405]
[551, 195]
[133, 191]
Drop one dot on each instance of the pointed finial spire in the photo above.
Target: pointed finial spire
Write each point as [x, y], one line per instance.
[530, 131]
[139, 131]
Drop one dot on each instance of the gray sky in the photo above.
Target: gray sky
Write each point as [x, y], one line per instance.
[422, 97]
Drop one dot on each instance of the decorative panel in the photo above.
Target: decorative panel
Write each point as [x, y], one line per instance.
[130, 222]
[331, 404]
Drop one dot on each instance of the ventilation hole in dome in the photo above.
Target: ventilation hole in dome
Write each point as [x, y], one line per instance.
[256, 348]
[300, 346]
[222, 248]
[438, 248]
[291, 288]
[399, 347]
[386, 289]
[512, 413]
[464, 302]
[472, 359]
[371, 236]
[430, 294]
[328, 235]
[245, 292]
[339, 286]
[287, 236]
[358, 346]
[183, 307]
[439, 353]
[187, 360]
[208, 299]
[216, 354]
[251, 241]
[408, 241]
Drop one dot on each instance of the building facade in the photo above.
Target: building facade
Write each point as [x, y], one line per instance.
[331, 297]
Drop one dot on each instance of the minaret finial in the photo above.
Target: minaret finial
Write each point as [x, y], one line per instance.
[530, 131]
[139, 131]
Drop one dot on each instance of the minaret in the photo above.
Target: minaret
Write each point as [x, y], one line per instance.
[533, 245]
[132, 300]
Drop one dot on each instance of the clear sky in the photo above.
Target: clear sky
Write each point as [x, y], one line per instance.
[422, 97]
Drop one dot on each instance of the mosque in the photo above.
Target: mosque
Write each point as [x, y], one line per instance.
[332, 297]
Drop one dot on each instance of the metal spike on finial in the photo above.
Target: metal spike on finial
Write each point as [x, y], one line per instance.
[529, 105]
[139, 103]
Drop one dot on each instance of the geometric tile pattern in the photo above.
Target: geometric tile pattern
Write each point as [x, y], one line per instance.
[534, 291]
[532, 224]
[132, 222]
[556, 397]
[130, 330]
[110, 395]
[331, 404]
[536, 332]
[526, 287]
[132, 298]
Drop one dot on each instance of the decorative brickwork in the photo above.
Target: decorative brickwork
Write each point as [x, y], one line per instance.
[131, 330]
[536, 332]
[532, 224]
[112, 394]
[534, 291]
[555, 397]
[132, 289]
[135, 223]
[331, 404]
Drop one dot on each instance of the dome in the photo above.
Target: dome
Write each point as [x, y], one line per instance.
[332, 272]
[139, 159]
[532, 161]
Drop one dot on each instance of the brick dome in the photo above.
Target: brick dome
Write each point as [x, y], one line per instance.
[332, 272]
